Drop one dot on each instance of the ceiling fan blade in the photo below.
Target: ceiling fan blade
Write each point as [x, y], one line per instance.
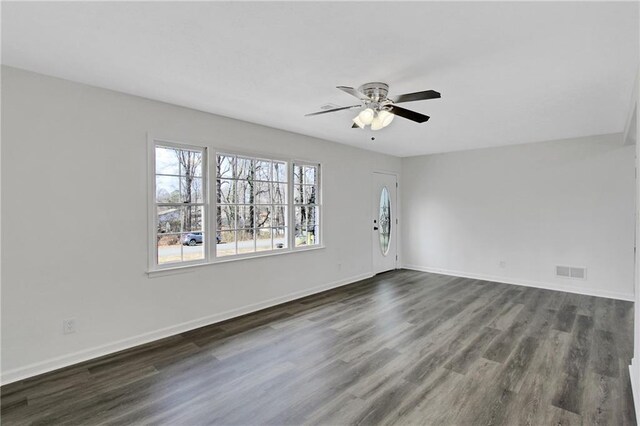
[355, 126]
[354, 92]
[417, 96]
[408, 114]
[332, 110]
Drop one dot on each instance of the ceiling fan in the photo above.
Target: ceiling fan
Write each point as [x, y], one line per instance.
[377, 109]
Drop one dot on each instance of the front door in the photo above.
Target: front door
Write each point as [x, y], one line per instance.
[383, 226]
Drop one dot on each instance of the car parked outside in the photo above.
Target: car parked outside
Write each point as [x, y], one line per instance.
[193, 238]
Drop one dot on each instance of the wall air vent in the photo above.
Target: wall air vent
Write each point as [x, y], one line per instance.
[571, 272]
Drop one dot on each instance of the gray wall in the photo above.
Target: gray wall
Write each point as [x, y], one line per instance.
[532, 206]
[74, 220]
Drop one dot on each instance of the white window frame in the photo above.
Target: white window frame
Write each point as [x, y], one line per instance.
[153, 143]
[318, 204]
[255, 253]
[210, 206]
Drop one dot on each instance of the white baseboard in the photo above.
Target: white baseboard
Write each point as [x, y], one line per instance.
[537, 284]
[634, 374]
[46, 366]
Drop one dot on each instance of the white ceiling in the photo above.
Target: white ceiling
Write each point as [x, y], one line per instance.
[509, 73]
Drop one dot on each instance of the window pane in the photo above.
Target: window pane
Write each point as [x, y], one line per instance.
[279, 238]
[226, 217]
[279, 193]
[300, 215]
[244, 168]
[224, 166]
[246, 243]
[279, 171]
[191, 190]
[310, 174]
[301, 238]
[193, 218]
[300, 220]
[297, 174]
[167, 161]
[193, 246]
[313, 225]
[279, 218]
[263, 192]
[306, 229]
[190, 162]
[263, 170]
[263, 219]
[169, 248]
[227, 244]
[298, 191]
[245, 192]
[169, 219]
[263, 241]
[225, 191]
[167, 189]
[245, 217]
[312, 216]
[308, 237]
[309, 194]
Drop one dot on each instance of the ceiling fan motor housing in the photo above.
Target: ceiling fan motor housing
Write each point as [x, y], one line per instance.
[376, 91]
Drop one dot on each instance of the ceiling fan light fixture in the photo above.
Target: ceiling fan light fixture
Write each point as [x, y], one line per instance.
[379, 110]
[376, 124]
[359, 122]
[385, 117]
[366, 116]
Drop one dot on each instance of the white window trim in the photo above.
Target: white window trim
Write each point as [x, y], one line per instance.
[152, 206]
[318, 204]
[210, 203]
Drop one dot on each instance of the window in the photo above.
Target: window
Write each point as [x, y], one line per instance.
[306, 204]
[259, 205]
[251, 204]
[180, 204]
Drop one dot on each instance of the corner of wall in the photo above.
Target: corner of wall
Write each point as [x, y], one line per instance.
[634, 370]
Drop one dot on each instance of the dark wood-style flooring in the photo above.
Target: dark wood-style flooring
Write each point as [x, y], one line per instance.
[403, 347]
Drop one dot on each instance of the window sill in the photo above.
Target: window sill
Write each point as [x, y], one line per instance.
[161, 272]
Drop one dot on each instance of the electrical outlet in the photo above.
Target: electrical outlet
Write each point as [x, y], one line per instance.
[503, 264]
[69, 326]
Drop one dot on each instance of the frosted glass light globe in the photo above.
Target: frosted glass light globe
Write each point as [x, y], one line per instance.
[376, 124]
[385, 117]
[366, 116]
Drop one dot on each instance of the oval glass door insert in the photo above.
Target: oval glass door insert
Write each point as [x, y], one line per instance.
[385, 220]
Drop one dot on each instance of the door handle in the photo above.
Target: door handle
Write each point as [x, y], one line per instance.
[375, 228]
